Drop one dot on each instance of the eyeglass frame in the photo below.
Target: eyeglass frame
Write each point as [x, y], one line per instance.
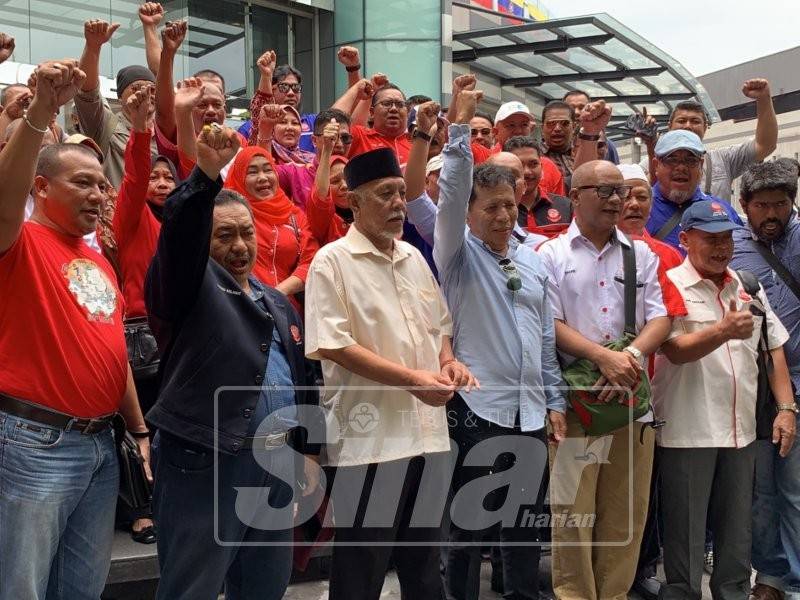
[615, 189]
[692, 161]
[284, 87]
[398, 104]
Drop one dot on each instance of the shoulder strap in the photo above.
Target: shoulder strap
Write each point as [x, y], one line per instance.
[708, 165]
[778, 267]
[629, 270]
[750, 282]
[667, 227]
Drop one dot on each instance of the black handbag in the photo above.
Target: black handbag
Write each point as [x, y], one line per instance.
[134, 488]
[142, 347]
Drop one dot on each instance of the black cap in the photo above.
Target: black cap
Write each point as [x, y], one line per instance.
[372, 165]
[127, 75]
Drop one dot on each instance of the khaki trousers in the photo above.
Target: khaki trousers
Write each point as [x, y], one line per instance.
[599, 492]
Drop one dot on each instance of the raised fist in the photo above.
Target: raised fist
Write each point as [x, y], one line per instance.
[98, 32]
[330, 136]
[464, 82]
[467, 105]
[16, 108]
[594, 117]
[7, 46]
[266, 64]
[756, 88]
[216, 147]
[173, 35]
[151, 14]
[348, 56]
[137, 108]
[365, 89]
[427, 115]
[270, 114]
[189, 93]
[379, 80]
[56, 83]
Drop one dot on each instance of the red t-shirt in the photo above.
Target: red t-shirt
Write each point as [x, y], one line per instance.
[552, 180]
[61, 338]
[365, 139]
[325, 224]
[135, 226]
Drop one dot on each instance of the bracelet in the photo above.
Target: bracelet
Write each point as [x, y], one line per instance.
[140, 435]
[353, 69]
[32, 126]
[588, 137]
[421, 134]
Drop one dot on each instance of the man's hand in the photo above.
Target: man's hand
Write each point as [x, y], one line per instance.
[379, 80]
[137, 109]
[216, 147]
[311, 472]
[736, 324]
[266, 64]
[151, 14]
[467, 105]
[365, 89]
[55, 83]
[173, 35]
[558, 423]
[464, 83]
[348, 56]
[270, 115]
[437, 389]
[98, 32]
[594, 117]
[784, 430]
[427, 117]
[618, 369]
[756, 89]
[460, 376]
[7, 46]
[144, 449]
[188, 94]
[17, 108]
[329, 136]
[649, 121]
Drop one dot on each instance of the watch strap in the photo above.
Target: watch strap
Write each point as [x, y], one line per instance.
[421, 134]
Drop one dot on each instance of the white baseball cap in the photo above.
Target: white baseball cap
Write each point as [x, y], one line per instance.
[632, 172]
[434, 164]
[511, 108]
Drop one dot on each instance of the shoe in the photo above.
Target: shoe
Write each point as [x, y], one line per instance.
[145, 536]
[762, 591]
[647, 587]
[708, 562]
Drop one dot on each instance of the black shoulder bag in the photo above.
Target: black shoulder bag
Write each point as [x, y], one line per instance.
[778, 267]
[667, 227]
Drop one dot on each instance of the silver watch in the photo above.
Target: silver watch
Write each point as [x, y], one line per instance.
[635, 352]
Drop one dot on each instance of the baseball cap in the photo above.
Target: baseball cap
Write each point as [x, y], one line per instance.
[511, 108]
[434, 164]
[679, 139]
[79, 138]
[632, 172]
[707, 215]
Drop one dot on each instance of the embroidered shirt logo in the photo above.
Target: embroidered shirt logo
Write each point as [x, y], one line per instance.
[92, 288]
[553, 215]
[295, 331]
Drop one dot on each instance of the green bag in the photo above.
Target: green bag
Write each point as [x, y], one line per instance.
[597, 417]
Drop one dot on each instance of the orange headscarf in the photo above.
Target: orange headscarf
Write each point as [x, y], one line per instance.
[274, 210]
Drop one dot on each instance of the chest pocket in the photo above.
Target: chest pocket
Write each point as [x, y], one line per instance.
[699, 318]
[429, 303]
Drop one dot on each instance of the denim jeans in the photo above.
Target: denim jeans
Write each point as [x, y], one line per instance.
[207, 535]
[776, 519]
[58, 491]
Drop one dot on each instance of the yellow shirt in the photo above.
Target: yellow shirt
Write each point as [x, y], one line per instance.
[393, 307]
[711, 403]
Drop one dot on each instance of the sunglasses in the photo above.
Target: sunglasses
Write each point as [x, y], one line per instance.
[513, 280]
[604, 192]
[344, 137]
[690, 161]
[284, 88]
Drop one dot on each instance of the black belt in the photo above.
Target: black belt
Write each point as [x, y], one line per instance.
[46, 416]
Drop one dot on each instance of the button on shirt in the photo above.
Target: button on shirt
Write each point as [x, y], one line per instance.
[711, 402]
[507, 339]
[783, 301]
[664, 208]
[392, 306]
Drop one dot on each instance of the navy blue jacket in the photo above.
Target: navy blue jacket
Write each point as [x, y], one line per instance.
[212, 333]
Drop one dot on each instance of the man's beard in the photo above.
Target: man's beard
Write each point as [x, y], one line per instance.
[679, 197]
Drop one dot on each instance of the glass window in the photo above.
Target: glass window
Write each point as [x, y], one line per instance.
[404, 60]
[349, 20]
[415, 19]
[303, 30]
[216, 41]
[270, 32]
[16, 23]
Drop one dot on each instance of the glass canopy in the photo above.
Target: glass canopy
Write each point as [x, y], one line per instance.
[594, 53]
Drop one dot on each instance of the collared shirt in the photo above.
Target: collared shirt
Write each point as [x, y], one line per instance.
[783, 301]
[392, 306]
[550, 215]
[664, 208]
[507, 339]
[563, 160]
[711, 402]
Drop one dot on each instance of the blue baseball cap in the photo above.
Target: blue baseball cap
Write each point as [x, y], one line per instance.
[709, 216]
[679, 139]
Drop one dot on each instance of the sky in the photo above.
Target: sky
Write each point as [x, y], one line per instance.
[703, 35]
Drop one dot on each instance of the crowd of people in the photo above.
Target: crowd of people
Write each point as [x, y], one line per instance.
[426, 329]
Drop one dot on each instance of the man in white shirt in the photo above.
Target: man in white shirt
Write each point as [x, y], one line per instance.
[596, 558]
[705, 387]
[377, 319]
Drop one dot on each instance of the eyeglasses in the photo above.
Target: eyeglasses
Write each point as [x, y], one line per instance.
[513, 280]
[346, 138]
[484, 132]
[388, 104]
[553, 123]
[604, 192]
[284, 88]
[690, 161]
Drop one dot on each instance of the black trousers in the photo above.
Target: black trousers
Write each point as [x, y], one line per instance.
[650, 550]
[388, 511]
[519, 542]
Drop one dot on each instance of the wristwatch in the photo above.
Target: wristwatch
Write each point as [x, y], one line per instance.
[792, 407]
[421, 134]
[588, 136]
[635, 352]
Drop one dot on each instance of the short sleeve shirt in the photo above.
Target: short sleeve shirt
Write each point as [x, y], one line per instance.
[391, 306]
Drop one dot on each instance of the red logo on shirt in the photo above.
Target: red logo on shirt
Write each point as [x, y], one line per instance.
[295, 331]
[553, 215]
[744, 296]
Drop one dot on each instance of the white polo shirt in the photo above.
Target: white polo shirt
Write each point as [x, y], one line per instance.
[711, 403]
[393, 307]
